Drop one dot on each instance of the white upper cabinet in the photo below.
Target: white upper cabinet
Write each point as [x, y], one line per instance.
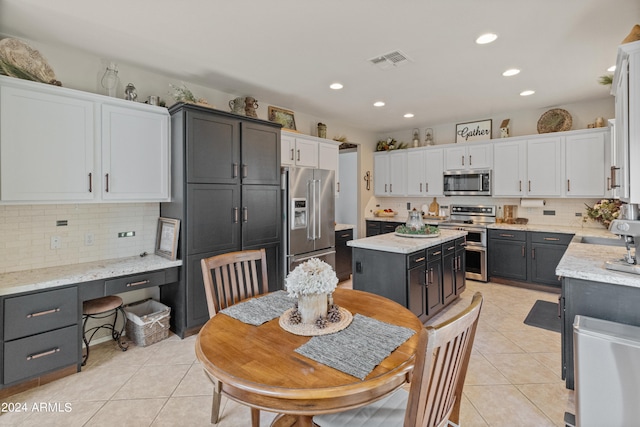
[64, 145]
[587, 158]
[328, 158]
[424, 172]
[46, 147]
[510, 168]
[135, 154]
[389, 173]
[298, 151]
[544, 166]
[468, 156]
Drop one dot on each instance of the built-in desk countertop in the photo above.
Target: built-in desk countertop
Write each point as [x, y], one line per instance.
[51, 277]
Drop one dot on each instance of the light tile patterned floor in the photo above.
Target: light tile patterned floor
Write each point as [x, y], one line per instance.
[513, 378]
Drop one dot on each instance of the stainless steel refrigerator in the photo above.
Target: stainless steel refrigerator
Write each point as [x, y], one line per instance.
[309, 214]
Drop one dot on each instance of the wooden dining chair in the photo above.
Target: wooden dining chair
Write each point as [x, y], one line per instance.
[436, 385]
[228, 279]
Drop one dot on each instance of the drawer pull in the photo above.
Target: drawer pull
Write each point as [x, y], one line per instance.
[43, 354]
[43, 313]
[506, 235]
[553, 239]
[419, 259]
[450, 248]
[436, 253]
[141, 282]
[345, 235]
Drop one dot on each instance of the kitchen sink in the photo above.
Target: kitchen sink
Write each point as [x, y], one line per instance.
[608, 241]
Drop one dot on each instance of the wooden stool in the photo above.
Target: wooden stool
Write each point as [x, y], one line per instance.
[101, 308]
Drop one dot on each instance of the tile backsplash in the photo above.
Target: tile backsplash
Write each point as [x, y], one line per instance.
[90, 233]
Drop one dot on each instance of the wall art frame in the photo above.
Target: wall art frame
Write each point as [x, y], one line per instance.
[167, 238]
[474, 131]
[285, 117]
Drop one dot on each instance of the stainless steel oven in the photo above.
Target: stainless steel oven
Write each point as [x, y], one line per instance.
[474, 220]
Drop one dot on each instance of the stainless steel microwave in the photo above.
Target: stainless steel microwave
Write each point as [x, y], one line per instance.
[467, 183]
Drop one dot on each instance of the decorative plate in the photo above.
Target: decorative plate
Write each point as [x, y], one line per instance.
[312, 330]
[418, 235]
[555, 120]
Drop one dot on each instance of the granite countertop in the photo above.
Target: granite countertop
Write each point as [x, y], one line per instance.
[342, 227]
[578, 231]
[404, 245]
[587, 261]
[51, 277]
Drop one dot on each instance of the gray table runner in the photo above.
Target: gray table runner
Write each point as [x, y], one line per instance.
[357, 349]
[259, 310]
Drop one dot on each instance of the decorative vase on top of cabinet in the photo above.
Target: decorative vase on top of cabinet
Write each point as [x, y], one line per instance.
[226, 187]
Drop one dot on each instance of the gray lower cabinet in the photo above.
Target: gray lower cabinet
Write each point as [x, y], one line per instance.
[375, 228]
[417, 281]
[605, 301]
[343, 254]
[526, 256]
[40, 333]
[225, 177]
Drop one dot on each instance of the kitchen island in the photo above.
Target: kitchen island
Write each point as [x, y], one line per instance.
[422, 274]
[589, 289]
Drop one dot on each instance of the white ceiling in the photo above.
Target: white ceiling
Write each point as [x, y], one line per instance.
[289, 51]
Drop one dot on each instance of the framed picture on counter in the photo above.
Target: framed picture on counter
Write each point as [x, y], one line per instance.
[167, 237]
[473, 131]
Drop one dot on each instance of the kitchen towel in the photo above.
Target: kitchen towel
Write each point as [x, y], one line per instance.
[359, 348]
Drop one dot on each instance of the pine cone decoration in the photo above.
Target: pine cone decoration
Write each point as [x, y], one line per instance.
[321, 322]
[295, 317]
[333, 315]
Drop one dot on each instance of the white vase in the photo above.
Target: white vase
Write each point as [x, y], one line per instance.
[311, 307]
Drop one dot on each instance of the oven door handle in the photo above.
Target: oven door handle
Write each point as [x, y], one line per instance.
[476, 248]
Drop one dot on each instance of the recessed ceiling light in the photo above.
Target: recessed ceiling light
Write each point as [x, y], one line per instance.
[511, 72]
[336, 86]
[378, 104]
[527, 92]
[408, 115]
[612, 68]
[486, 38]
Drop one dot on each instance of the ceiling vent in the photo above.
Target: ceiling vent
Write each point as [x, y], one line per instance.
[389, 60]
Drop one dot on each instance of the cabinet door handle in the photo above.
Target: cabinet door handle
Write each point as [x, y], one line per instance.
[462, 160]
[520, 185]
[338, 184]
[523, 251]
[43, 313]
[141, 282]
[390, 188]
[235, 170]
[421, 187]
[552, 239]
[43, 354]
[608, 183]
[470, 162]
[426, 187]
[533, 253]
[90, 182]
[568, 185]
[292, 155]
[385, 188]
[245, 214]
[614, 183]
[235, 215]
[245, 171]
[106, 189]
[529, 185]
[298, 154]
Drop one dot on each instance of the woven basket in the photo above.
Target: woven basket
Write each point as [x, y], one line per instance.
[147, 322]
[555, 120]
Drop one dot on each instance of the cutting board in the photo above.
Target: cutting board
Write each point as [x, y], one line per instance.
[434, 207]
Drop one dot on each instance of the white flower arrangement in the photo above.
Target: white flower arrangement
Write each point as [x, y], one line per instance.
[311, 277]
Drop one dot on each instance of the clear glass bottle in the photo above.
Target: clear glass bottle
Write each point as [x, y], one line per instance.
[414, 220]
[110, 79]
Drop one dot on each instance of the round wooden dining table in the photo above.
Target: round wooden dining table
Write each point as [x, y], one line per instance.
[257, 365]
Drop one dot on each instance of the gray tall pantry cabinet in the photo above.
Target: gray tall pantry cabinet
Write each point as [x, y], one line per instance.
[226, 192]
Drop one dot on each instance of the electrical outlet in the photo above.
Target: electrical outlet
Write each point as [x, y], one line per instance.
[88, 239]
[55, 242]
